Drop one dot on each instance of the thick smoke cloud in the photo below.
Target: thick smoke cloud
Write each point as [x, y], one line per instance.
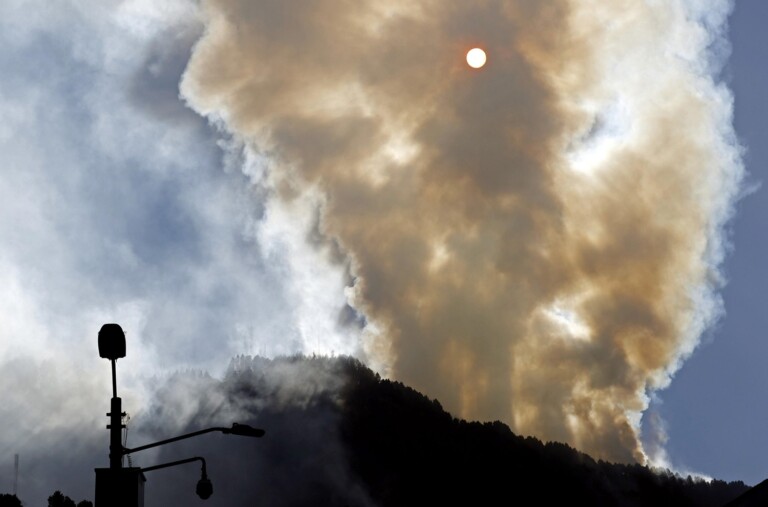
[537, 241]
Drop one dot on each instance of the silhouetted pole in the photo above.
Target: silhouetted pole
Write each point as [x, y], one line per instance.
[116, 486]
[112, 347]
[115, 432]
[114, 378]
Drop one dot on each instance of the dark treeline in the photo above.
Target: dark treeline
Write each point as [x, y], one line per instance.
[7, 500]
[409, 451]
[404, 449]
[57, 499]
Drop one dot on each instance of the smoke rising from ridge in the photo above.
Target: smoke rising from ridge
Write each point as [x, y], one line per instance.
[302, 460]
[537, 241]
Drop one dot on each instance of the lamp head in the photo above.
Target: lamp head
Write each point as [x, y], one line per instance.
[245, 430]
[111, 342]
[204, 487]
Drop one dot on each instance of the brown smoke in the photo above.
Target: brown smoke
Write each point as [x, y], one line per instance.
[536, 241]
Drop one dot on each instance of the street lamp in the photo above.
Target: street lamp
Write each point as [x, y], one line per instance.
[204, 488]
[124, 487]
[112, 347]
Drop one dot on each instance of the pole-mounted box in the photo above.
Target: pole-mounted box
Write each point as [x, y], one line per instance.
[119, 488]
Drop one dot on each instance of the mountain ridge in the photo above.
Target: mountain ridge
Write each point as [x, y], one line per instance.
[340, 435]
[485, 462]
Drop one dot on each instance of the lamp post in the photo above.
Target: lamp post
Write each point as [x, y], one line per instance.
[112, 347]
[124, 487]
[116, 486]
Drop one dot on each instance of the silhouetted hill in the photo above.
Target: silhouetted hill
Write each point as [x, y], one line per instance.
[338, 435]
[755, 497]
[409, 451]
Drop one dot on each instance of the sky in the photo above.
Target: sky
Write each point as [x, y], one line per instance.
[237, 178]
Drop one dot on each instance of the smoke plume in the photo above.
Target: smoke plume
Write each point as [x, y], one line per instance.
[536, 241]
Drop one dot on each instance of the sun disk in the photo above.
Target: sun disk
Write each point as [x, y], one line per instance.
[476, 58]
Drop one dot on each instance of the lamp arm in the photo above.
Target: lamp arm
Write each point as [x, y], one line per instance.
[174, 463]
[174, 439]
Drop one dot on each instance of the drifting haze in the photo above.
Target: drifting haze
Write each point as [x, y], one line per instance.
[537, 241]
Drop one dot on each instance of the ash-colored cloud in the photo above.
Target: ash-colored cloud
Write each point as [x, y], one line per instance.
[537, 241]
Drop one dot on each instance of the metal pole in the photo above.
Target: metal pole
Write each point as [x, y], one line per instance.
[115, 432]
[114, 378]
[115, 425]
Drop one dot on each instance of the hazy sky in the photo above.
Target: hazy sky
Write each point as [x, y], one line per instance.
[121, 202]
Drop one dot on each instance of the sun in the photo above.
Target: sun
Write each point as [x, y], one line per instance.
[476, 58]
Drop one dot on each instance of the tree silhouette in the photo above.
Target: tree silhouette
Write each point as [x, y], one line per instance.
[59, 500]
[7, 500]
